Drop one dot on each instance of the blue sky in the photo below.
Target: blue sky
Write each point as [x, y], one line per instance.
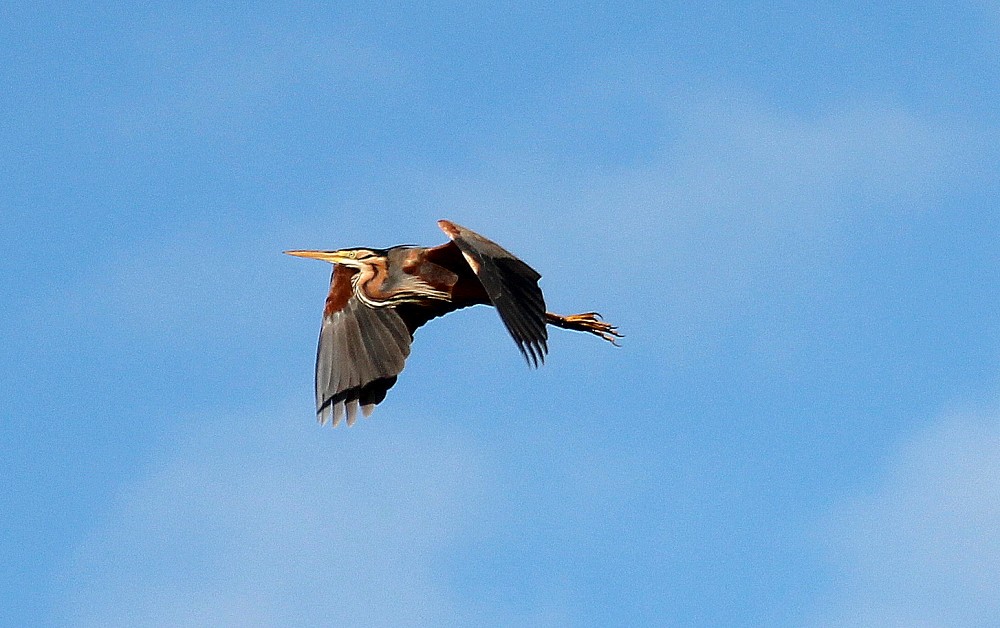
[790, 210]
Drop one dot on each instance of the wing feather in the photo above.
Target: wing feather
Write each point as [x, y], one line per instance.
[361, 352]
[512, 287]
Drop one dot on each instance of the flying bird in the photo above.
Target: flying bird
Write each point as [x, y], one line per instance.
[379, 297]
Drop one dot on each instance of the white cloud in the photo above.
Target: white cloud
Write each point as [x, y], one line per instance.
[725, 158]
[739, 194]
[259, 520]
[922, 548]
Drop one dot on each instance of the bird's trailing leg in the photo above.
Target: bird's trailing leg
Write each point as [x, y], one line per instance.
[589, 322]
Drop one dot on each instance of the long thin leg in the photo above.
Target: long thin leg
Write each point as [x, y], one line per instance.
[589, 322]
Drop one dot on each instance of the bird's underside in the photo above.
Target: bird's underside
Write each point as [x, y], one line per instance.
[379, 297]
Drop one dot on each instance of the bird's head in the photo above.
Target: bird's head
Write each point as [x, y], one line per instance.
[353, 258]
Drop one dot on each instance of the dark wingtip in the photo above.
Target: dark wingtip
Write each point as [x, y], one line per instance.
[534, 354]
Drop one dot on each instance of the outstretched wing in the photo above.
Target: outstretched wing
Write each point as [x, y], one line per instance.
[512, 287]
[361, 351]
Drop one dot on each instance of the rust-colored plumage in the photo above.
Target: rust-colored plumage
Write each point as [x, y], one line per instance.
[379, 297]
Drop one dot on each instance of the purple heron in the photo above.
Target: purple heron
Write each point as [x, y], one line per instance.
[379, 297]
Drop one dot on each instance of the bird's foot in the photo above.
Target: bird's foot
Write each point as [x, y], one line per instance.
[590, 322]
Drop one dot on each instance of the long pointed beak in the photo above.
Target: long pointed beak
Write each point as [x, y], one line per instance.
[334, 257]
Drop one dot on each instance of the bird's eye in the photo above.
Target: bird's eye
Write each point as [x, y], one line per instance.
[353, 254]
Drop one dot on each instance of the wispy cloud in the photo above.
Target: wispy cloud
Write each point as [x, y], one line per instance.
[257, 520]
[921, 547]
[737, 194]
